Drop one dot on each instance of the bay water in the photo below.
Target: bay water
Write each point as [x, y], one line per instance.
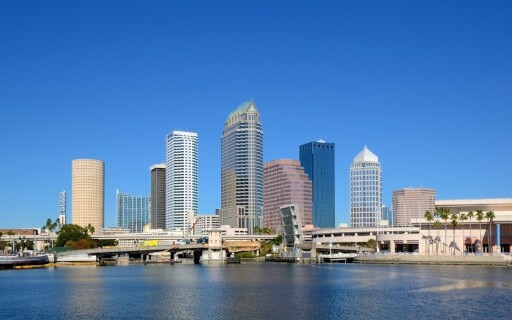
[257, 291]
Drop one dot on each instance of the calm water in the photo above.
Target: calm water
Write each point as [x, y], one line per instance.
[257, 291]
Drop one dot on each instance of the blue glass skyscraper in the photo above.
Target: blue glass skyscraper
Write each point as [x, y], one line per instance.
[317, 159]
[132, 211]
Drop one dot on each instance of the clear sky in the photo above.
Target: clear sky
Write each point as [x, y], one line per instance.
[426, 85]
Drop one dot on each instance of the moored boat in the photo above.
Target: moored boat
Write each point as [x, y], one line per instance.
[11, 261]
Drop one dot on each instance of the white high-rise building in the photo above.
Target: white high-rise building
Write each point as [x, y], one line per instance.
[181, 179]
[365, 190]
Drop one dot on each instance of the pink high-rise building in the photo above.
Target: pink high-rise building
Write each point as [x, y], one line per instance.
[285, 183]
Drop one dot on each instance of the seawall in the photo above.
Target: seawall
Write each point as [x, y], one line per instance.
[500, 260]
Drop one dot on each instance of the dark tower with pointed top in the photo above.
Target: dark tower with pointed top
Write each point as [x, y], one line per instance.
[242, 168]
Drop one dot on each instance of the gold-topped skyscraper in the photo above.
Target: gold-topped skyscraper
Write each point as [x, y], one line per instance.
[88, 193]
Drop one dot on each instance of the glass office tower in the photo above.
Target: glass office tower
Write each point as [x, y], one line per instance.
[317, 159]
[242, 168]
[132, 211]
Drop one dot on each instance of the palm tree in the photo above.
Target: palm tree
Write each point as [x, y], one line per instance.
[437, 225]
[444, 213]
[89, 229]
[429, 216]
[490, 215]
[454, 218]
[462, 218]
[470, 215]
[480, 217]
[49, 227]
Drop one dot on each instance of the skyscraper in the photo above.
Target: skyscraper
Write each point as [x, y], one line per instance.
[132, 211]
[242, 168]
[158, 196]
[88, 193]
[285, 183]
[411, 203]
[181, 179]
[365, 190]
[317, 159]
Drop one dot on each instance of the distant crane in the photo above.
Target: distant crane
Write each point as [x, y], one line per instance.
[193, 226]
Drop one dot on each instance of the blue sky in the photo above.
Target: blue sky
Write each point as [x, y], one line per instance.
[427, 86]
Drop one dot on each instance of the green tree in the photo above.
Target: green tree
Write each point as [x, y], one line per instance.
[10, 232]
[470, 215]
[454, 223]
[490, 216]
[50, 225]
[462, 218]
[90, 229]
[444, 213]
[429, 217]
[71, 232]
[371, 243]
[437, 225]
[480, 217]
[106, 243]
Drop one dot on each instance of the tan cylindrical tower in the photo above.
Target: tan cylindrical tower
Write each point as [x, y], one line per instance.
[88, 193]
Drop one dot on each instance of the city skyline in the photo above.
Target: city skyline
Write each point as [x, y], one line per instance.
[425, 86]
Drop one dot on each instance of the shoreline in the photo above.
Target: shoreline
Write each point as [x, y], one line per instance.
[501, 260]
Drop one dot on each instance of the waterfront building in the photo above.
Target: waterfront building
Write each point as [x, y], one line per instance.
[157, 196]
[365, 190]
[205, 222]
[317, 159]
[132, 211]
[88, 193]
[181, 179]
[242, 168]
[285, 182]
[410, 203]
[474, 235]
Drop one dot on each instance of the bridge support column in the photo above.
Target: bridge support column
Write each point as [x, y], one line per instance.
[197, 256]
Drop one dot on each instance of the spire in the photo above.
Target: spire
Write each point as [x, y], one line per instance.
[247, 106]
[366, 156]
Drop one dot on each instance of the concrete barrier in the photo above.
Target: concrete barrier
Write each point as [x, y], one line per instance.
[500, 260]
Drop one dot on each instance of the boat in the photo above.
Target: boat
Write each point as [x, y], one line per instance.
[11, 261]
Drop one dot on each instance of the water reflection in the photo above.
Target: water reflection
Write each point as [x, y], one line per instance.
[465, 284]
[257, 291]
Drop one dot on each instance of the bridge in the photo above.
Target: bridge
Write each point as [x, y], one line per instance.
[214, 250]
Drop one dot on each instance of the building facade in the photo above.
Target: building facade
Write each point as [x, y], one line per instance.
[157, 196]
[317, 159]
[132, 212]
[206, 222]
[181, 179]
[365, 190]
[412, 203]
[284, 183]
[242, 168]
[88, 193]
